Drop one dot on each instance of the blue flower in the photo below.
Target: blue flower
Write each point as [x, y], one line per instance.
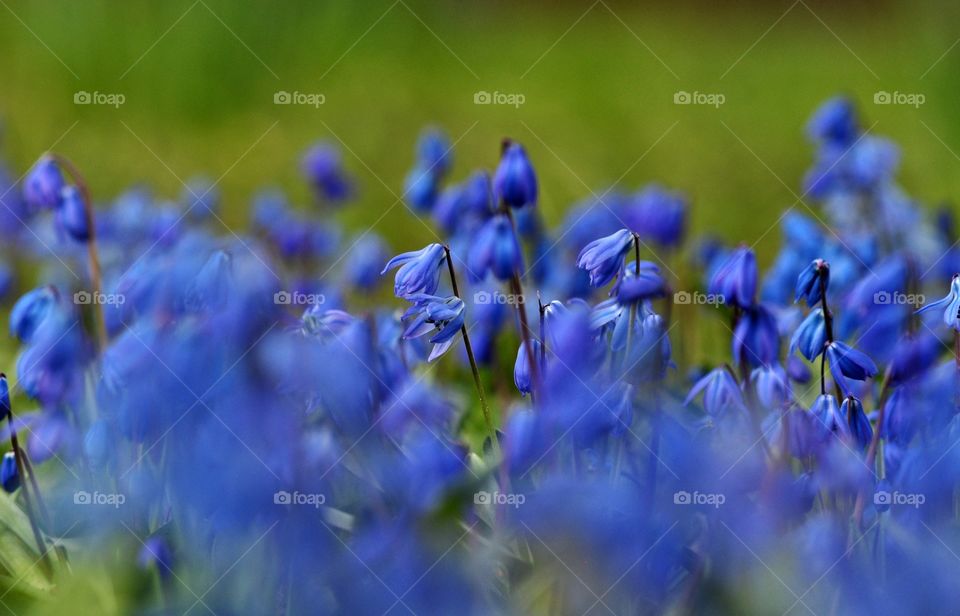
[324, 170]
[43, 185]
[420, 188]
[857, 421]
[826, 410]
[736, 278]
[361, 268]
[658, 215]
[419, 270]
[845, 361]
[835, 123]
[515, 181]
[756, 341]
[5, 407]
[442, 315]
[949, 304]
[72, 214]
[809, 286]
[636, 286]
[496, 249]
[721, 392]
[9, 475]
[521, 368]
[434, 151]
[30, 310]
[771, 384]
[811, 336]
[604, 258]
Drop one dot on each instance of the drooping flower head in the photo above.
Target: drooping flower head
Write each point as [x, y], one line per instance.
[419, 270]
[442, 315]
[847, 362]
[323, 168]
[812, 281]
[772, 385]
[9, 474]
[811, 336]
[604, 258]
[639, 282]
[756, 340]
[857, 422]
[72, 214]
[721, 392]
[43, 185]
[515, 181]
[495, 249]
[736, 278]
[658, 215]
[949, 304]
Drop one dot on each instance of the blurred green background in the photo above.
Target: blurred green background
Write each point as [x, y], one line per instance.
[598, 81]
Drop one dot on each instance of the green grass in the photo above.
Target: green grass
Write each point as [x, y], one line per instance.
[597, 100]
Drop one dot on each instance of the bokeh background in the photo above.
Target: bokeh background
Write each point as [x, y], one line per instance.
[598, 81]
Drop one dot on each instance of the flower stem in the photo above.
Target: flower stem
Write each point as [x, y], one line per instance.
[828, 328]
[19, 455]
[516, 288]
[93, 258]
[473, 360]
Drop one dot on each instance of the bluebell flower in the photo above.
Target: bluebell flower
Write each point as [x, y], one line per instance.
[521, 367]
[419, 270]
[9, 474]
[809, 286]
[797, 370]
[756, 340]
[901, 419]
[736, 278]
[771, 385]
[43, 185]
[949, 304]
[845, 361]
[361, 267]
[857, 421]
[72, 214]
[657, 215]
[635, 286]
[442, 315]
[420, 188]
[835, 122]
[605, 258]
[30, 310]
[825, 409]
[323, 168]
[434, 151]
[495, 249]
[721, 392]
[515, 181]
[811, 336]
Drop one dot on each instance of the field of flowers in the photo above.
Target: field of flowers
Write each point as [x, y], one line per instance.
[201, 421]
